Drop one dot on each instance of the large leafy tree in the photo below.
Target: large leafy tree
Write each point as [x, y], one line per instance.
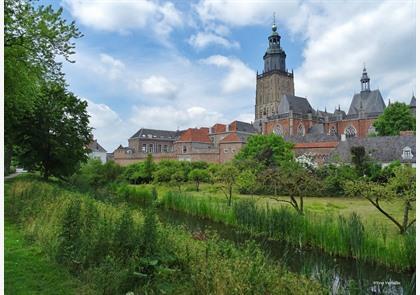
[396, 117]
[266, 150]
[54, 136]
[34, 38]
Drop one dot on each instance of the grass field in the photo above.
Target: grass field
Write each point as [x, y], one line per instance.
[28, 271]
[370, 216]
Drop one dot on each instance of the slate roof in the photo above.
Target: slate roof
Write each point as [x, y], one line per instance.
[155, 133]
[413, 102]
[94, 146]
[316, 129]
[295, 103]
[235, 137]
[311, 137]
[195, 135]
[371, 102]
[384, 149]
[242, 126]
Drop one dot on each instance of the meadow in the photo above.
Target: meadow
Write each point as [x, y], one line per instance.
[348, 227]
[112, 248]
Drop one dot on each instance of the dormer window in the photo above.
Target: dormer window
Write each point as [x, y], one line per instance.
[407, 154]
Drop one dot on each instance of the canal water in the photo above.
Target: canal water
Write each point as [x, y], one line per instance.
[341, 275]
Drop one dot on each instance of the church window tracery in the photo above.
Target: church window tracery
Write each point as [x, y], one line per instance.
[350, 131]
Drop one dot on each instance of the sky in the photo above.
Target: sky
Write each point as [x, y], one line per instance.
[179, 64]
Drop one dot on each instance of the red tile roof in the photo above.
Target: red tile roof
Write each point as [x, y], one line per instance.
[195, 135]
[324, 144]
[233, 137]
[218, 128]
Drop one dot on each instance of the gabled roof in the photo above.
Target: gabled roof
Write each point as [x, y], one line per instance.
[321, 144]
[296, 104]
[368, 101]
[413, 102]
[155, 133]
[94, 146]
[242, 126]
[384, 149]
[233, 137]
[218, 128]
[195, 135]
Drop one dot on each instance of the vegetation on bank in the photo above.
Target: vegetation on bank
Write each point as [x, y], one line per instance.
[334, 234]
[28, 271]
[116, 250]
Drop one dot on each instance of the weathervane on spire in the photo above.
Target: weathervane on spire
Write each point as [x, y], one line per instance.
[274, 27]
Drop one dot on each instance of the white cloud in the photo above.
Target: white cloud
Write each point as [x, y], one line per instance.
[158, 86]
[109, 129]
[125, 16]
[110, 67]
[337, 48]
[239, 77]
[204, 39]
[171, 118]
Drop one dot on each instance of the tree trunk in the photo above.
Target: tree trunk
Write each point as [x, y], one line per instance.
[230, 196]
[376, 204]
[8, 151]
[301, 205]
[197, 184]
[407, 208]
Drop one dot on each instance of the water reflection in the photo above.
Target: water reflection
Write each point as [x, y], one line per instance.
[341, 275]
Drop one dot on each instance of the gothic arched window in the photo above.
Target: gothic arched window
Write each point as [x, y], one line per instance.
[301, 130]
[350, 131]
[333, 131]
[407, 154]
[278, 130]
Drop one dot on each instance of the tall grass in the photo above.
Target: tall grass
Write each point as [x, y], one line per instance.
[336, 235]
[119, 250]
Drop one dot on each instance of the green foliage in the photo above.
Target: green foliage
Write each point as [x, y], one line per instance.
[267, 150]
[402, 187]
[95, 175]
[226, 177]
[395, 118]
[54, 136]
[342, 236]
[177, 264]
[140, 172]
[247, 182]
[197, 176]
[34, 39]
[69, 246]
[335, 177]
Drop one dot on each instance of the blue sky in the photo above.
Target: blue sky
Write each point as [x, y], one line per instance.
[180, 64]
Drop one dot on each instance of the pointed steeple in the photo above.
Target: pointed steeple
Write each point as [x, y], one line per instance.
[365, 80]
[275, 57]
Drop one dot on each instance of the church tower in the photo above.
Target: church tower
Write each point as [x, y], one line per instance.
[275, 81]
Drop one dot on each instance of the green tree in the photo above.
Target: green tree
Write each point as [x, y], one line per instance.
[396, 117]
[197, 176]
[33, 39]
[293, 180]
[247, 182]
[55, 134]
[177, 179]
[226, 177]
[401, 188]
[268, 150]
[149, 167]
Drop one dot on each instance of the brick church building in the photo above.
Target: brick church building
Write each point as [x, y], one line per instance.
[277, 110]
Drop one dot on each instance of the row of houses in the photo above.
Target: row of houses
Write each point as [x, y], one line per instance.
[221, 142]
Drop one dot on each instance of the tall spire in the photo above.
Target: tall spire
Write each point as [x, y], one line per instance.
[365, 80]
[275, 57]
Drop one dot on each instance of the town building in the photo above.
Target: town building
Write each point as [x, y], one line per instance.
[278, 110]
[97, 151]
[217, 144]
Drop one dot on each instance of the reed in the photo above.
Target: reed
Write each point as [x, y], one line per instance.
[117, 250]
[336, 235]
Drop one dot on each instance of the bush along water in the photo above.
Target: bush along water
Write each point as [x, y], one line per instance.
[119, 250]
[336, 235]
